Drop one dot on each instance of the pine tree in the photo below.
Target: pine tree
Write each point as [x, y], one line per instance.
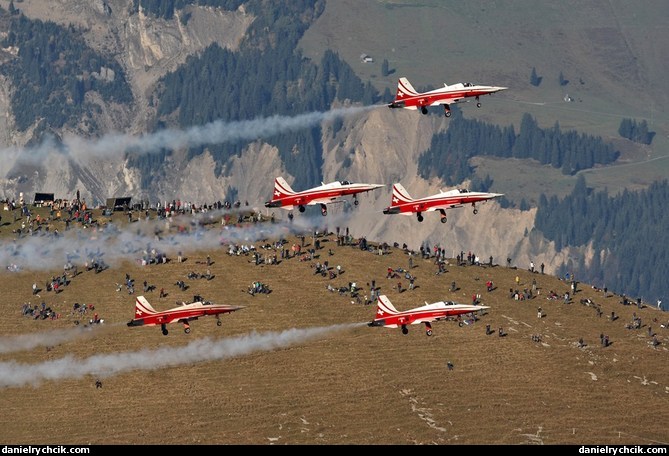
[642, 132]
[625, 128]
[535, 80]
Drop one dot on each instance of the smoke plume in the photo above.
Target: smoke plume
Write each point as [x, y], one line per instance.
[14, 374]
[21, 342]
[118, 144]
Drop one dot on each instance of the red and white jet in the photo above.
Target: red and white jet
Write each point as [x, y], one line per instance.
[286, 198]
[407, 97]
[403, 203]
[146, 315]
[388, 316]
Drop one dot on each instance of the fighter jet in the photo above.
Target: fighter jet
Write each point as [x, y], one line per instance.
[407, 97]
[403, 203]
[388, 316]
[146, 315]
[285, 197]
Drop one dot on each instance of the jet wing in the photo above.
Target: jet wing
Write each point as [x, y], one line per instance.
[439, 207]
[447, 100]
[174, 318]
[420, 320]
[328, 200]
[443, 206]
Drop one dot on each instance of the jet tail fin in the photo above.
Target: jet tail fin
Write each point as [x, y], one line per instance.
[384, 307]
[404, 89]
[281, 188]
[400, 195]
[142, 307]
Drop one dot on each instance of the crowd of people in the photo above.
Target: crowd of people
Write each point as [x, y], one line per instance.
[273, 253]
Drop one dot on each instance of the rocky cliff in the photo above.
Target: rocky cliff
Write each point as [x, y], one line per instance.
[376, 146]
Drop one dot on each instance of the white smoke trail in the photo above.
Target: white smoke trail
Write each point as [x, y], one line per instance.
[217, 132]
[35, 253]
[46, 252]
[14, 374]
[23, 342]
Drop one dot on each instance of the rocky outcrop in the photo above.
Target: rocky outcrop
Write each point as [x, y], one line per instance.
[376, 146]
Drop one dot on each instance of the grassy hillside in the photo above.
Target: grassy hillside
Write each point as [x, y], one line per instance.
[268, 377]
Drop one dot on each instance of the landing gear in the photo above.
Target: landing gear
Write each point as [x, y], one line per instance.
[478, 103]
[324, 210]
[355, 200]
[443, 215]
[428, 328]
[186, 327]
[447, 110]
[476, 211]
[164, 329]
[219, 323]
[423, 109]
[301, 208]
[405, 330]
[419, 216]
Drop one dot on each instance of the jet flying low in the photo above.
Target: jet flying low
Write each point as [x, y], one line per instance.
[387, 315]
[146, 315]
[403, 203]
[409, 98]
[286, 198]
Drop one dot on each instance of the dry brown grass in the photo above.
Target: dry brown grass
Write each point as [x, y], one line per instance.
[355, 385]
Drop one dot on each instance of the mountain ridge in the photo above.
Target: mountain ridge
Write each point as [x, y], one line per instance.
[381, 146]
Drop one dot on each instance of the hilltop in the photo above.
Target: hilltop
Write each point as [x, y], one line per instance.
[346, 383]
